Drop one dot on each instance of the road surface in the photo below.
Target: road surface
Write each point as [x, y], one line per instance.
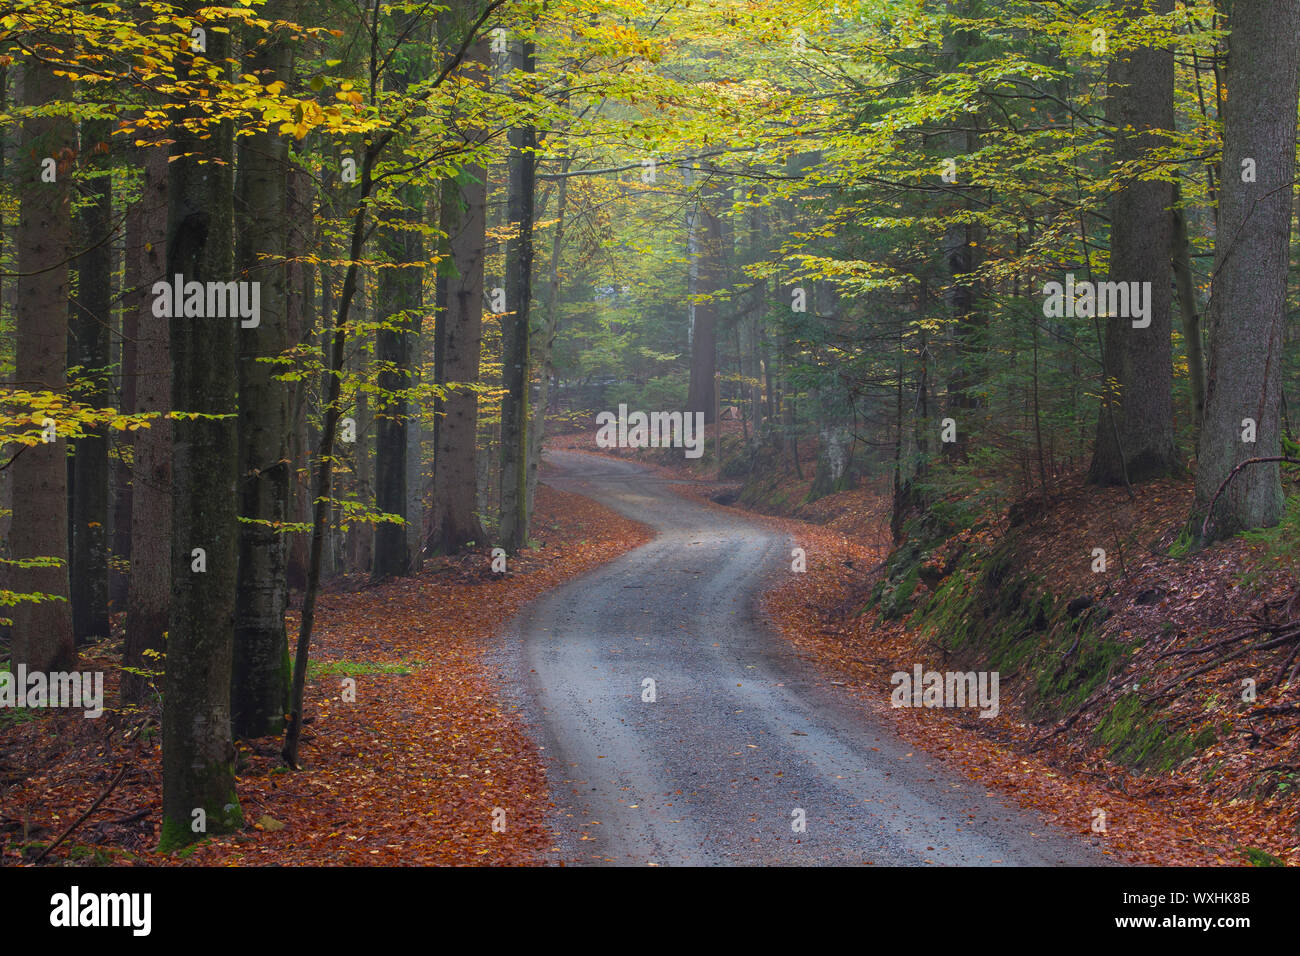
[742, 740]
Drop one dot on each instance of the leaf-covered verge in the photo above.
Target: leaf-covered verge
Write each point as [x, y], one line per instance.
[409, 774]
[1097, 708]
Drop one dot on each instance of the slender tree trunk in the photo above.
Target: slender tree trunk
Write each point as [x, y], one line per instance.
[124, 442]
[544, 358]
[198, 754]
[91, 327]
[42, 630]
[1251, 249]
[302, 322]
[704, 344]
[961, 252]
[149, 586]
[1191, 319]
[260, 674]
[513, 528]
[398, 305]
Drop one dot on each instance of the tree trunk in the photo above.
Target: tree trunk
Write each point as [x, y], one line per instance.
[460, 334]
[42, 630]
[704, 341]
[1248, 298]
[1191, 319]
[92, 323]
[1135, 426]
[260, 668]
[961, 253]
[198, 754]
[545, 355]
[513, 528]
[149, 586]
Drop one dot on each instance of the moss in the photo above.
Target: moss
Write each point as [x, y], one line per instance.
[1258, 857]
[988, 611]
[895, 596]
[1135, 736]
[1086, 661]
[360, 668]
[222, 816]
[11, 716]
[97, 856]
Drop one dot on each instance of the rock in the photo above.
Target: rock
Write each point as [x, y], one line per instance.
[269, 824]
[1079, 605]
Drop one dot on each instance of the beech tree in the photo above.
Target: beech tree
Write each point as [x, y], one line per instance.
[38, 535]
[198, 753]
[458, 338]
[1251, 255]
[1135, 427]
[260, 677]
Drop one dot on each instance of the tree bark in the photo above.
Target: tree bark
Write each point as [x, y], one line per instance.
[545, 355]
[198, 754]
[260, 667]
[42, 637]
[704, 341]
[92, 323]
[460, 332]
[1135, 426]
[1191, 318]
[149, 585]
[513, 528]
[399, 305]
[1248, 295]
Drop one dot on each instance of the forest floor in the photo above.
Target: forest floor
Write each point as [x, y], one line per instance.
[1233, 802]
[410, 773]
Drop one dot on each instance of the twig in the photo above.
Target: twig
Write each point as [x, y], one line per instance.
[82, 819]
[1209, 512]
[98, 800]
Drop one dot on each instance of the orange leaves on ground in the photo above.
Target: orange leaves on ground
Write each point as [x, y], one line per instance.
[415, 770]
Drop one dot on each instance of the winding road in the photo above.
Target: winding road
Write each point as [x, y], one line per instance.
[737, 740]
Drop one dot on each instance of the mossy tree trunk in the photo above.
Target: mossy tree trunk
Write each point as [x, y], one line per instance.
[198, 754]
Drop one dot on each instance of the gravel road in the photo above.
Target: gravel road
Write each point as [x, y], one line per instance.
[742, 738]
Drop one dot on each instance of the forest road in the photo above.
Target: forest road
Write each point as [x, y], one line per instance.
[742, 739]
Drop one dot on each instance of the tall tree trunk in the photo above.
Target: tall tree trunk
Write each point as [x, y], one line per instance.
[544, 358]
[704, 342]
[1135, 426]
[91, 325]
[398, 305]
[302, 322]
[260, 667]
[198, 754]
[961, 252]
[1182, 259]
[360, 537]
[149, 586]
[124, 358]
[1248, 296]
[463, 209]
[519, 294]
[42, 630]
[400, 297]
